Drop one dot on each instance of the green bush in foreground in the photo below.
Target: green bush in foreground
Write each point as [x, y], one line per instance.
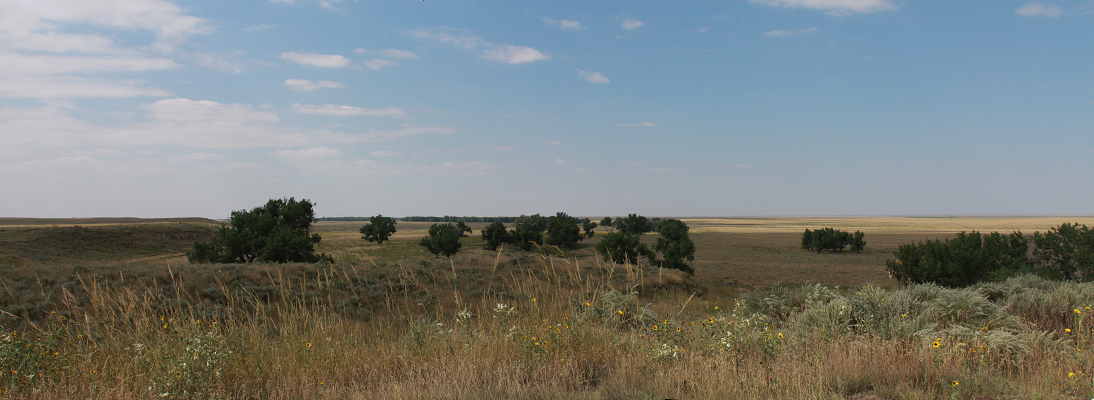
[962, 261]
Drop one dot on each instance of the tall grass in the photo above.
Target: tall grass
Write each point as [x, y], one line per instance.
[546, 327]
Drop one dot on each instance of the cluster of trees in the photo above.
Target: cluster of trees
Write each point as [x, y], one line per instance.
[1064, 252]
[528, 231]
[279, 231]
[832, 239]
[674, 244]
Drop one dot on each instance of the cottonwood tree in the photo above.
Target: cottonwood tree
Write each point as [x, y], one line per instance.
[675, 245]
[1067, 250]
[443, 239]
[496, 235]
[379, 229]
[279, 231]
[528, 230]
[633, 224]
[562, 230]
[623, 247]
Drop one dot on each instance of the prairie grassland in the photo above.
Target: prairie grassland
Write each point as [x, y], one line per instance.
[556, 329]
[485, 325]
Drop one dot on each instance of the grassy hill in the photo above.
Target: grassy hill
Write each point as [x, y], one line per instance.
[26, 241]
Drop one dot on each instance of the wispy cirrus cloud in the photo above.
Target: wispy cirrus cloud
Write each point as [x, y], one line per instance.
[316, 60]
[347, 111]
[509, 54]
[304, 85]
[1036, 9]
[836, 8]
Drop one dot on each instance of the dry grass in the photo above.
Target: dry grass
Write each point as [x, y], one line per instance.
[545, 327]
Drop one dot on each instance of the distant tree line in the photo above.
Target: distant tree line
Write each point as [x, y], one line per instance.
[453, 219]
[1064, 252]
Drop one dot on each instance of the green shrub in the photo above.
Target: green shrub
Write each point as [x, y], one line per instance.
[831, 239]
[963, 260]
[276, 232]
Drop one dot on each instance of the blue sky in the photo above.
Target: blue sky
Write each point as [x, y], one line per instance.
[154, 108]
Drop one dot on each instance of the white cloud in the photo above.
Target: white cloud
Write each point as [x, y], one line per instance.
[304, 85]
[204, 157]
[594, 77]
[500, 148]
[834, 7]
[661, 169]
[510, 54]
[563, 24]
[702, 29]
[1034, 9]
[348, 111]
[259, 28]
[316, 60]
[186, 110]
[14, 63]
[631, 23]
[307, 154]
[472, 168]
[559, 161]
[498, 53]
[792, 33]
[643, 124]
[377, 63]
[71, 87]
[396, 53]
[377, 135]
[467, 42]
[40, 25]
[217, 61]
[552, 143]
[385, 153]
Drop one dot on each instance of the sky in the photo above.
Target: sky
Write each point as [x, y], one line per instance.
[160, 108]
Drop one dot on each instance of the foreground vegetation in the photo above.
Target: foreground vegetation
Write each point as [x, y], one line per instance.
[535, 327]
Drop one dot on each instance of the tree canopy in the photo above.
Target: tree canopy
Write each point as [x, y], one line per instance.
[675, 245]
[279, 231]
[443, 239]
[378, 229]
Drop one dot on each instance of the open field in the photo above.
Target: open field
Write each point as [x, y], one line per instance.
[113, 311]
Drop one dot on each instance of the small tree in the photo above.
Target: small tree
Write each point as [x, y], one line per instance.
[623, 247]
[607, 221]
[832, 239]
[562, 230]
[463, 229]
[379, 229]
[495, 235]
[1067, 250]
[279, 232]
[858, 242]
[675, 246]
[588, 226]
[443, 239]
[633, 224]
[528, 230]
